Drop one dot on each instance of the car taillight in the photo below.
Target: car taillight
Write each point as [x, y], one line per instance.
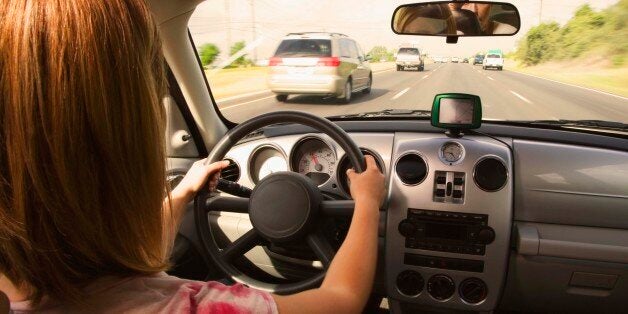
[274, 61]
[328, 62]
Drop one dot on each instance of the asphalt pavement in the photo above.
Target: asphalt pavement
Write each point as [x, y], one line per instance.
[506, 95]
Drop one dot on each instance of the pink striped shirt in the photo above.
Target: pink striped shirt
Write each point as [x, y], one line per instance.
[161, 293]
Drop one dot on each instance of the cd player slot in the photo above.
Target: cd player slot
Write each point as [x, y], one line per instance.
[443, 262]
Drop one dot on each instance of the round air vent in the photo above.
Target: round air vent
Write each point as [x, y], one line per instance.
[490, 174]
[411, 169]
[231, 172]
[345, 164]
[173, 178]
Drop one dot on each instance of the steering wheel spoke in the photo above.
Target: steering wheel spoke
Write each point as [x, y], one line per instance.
[337, 208]
[321, 247]
[242, 245]
[227, 204]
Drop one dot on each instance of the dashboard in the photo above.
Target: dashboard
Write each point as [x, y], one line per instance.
[448, 214]
[555, 202]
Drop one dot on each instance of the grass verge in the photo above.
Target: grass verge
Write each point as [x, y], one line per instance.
[596, 75]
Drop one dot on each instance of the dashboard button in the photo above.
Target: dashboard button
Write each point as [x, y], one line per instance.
[479, 250]
[486, 235]
[407, 228]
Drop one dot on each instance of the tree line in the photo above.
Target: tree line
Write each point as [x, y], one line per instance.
[209, 53]
[589, 32]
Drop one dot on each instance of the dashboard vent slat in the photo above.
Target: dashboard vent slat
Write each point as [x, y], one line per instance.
[231, 172]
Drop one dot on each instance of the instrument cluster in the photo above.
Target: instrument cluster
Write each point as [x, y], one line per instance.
[311, 156]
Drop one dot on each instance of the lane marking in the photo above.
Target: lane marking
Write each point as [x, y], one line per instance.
[383, 71]
[399, 94]
[242, 95]
[247, 102]
[490, 78]
[521, 97]
[572, 85]
[424, 76]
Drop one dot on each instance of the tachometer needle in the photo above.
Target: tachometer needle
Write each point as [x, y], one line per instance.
[317, 166]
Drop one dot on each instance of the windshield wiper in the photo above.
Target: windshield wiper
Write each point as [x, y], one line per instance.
[384, 113]
[598, 124]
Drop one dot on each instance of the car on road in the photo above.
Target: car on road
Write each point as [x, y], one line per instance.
[478, 59]
[318, 63]
[465, 60]
[409, 58]
[494, 60]
[455, 59]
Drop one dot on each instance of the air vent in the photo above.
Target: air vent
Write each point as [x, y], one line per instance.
[231, 172]
[411, 169]
[173, 178]
[490, 174]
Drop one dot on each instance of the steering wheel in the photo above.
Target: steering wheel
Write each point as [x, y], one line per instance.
[283, 207]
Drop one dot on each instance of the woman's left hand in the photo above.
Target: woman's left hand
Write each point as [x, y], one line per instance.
[196, 177]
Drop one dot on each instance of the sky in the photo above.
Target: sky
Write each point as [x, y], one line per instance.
[263, 23]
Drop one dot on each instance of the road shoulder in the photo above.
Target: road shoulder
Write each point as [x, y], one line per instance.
[606, 80]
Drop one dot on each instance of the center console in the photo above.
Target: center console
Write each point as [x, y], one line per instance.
[448, 221]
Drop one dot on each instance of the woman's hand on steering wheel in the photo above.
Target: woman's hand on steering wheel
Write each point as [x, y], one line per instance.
[367, 187]
[197, 176]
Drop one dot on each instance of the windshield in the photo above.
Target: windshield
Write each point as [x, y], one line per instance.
[304, 48]
[568, 61]
[409, 51]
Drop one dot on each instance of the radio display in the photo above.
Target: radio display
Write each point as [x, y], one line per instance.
[445, 231]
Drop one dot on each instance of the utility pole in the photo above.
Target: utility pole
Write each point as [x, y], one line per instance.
[540, 11]
[228, 14]
[252, 2]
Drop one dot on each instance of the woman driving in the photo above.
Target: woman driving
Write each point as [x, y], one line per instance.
[86, 219]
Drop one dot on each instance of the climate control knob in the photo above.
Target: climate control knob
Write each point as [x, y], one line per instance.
[407, 228]
[441, 287]
[486, 235]
[410, 283]
[473, 290]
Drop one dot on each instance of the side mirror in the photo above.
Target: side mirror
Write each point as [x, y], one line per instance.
[456, 18]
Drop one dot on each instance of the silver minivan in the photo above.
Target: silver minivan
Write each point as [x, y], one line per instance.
[326, 64]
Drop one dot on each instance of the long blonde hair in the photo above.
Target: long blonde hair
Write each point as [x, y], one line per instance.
[82, 156]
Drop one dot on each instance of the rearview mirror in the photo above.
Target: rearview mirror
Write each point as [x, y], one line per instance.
[455, 18]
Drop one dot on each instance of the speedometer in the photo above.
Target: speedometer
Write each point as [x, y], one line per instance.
[315, 159]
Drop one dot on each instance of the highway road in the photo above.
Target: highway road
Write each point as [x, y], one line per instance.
[506, 95]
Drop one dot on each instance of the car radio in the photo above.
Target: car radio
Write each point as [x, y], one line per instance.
[464, 233]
